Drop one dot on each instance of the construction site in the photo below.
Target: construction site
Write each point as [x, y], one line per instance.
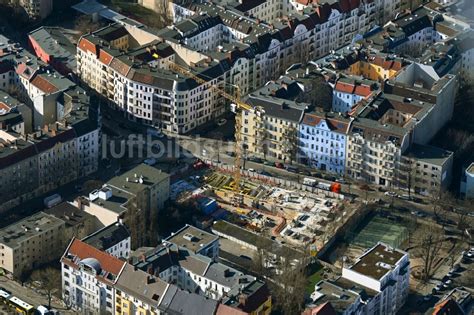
[281, 209]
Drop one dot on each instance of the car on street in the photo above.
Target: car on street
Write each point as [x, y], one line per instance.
[316, 174]
[291, 168]
[265, 173]
[251, 170]
[255, 159]
[418, 214]
[340, 180]
[279, 165]
[404, 197]
[390, 193]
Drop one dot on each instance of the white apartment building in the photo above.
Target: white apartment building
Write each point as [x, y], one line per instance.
[348, 92]
[88, 277]
[385, 270]
[323, 141]
[382, 273]
[374, 152]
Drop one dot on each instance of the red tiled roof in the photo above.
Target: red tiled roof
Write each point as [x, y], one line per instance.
[385, 63]
[4, 106]
[107, 262]
[86, 45]
[448, 307]
[105, 57]
[43, 85]
[358, 89]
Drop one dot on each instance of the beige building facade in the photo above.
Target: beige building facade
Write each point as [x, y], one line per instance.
[31, 242]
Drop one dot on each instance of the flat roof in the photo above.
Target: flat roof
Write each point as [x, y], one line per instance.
[248, 237]
[150, 176]
[192, 238]
[378, 261]
[429, 154]
[15, 234]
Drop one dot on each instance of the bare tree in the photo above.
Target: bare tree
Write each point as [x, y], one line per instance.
[428, 249]
[366, 189]
[50, 280]
[291, 282]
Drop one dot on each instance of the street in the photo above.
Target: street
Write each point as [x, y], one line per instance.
[30, 296]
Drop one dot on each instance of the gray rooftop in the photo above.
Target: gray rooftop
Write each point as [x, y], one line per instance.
[150, 177]
[70, 214]
[249, 237]
[340, 298]
[108, 236]
[429, 154]
[141, 285]
[378, 261]
[192, 238]
[17, 233]
[54, 43]
[177, 301]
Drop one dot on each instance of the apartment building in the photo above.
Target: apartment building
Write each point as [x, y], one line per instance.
[31, 242]
[14, 115]
[426, 169]
[54, 48]
[60, 133]
[203, 275]
[88, 277]
[322, 141]
[113, 239]
[271, 129]
[374, 150]
[143, 188]
[195, 240]
[136, 78]
[385, 270]
[350, 90]
[377, 283]
[37, 9]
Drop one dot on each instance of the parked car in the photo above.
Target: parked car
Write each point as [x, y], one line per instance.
[255, 159]
[265, 173]
[390, 193]
[291, 168]
[279, 165]
[404, 197]
[341, 180]
[251, 170]
[316, 174]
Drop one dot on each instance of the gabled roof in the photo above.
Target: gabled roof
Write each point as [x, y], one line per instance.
[78, 251]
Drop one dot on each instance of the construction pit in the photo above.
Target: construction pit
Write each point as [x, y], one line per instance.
[306, 216]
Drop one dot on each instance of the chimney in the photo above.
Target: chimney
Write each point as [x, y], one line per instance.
[142, 257]
[150, 279]
[150, 269]
[242, 299]
[46, 128]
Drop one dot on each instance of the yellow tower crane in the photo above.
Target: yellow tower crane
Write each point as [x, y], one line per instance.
[239, 107]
